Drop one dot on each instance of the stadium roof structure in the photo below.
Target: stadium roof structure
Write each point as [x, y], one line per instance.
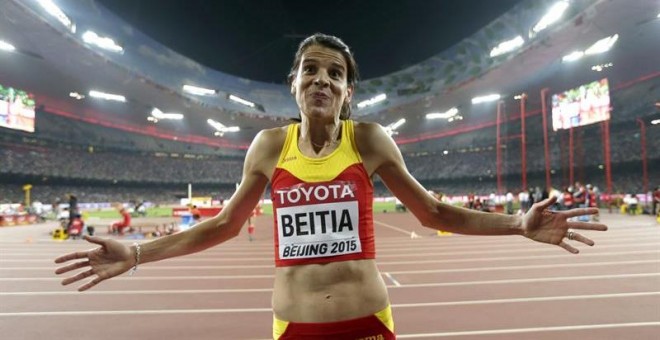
[56, 55]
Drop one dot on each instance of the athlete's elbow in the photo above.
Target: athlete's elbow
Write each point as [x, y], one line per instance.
[434, 218]
[428, 219]
[234, 231]
[429, 225]
[225, 229]
[434, 224]
[229, 229]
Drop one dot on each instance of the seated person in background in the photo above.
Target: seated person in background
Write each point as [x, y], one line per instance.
[119, 226]
[76, 226]
[196, 214]
[141, 209]
[632, 204]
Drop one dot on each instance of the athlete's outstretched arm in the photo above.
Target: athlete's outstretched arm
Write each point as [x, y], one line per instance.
[381, 156]
[113, 258]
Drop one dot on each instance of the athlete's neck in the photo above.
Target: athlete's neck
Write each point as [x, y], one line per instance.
[320, 135]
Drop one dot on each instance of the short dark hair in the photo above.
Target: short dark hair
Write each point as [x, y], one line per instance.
[332, 42]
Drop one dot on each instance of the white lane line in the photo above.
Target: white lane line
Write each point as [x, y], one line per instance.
[58, 252]
[434, 243]
[523, 300]
[518, 258]
[413, 251]
[473, 239]
[392, 279]
[150, 278]
[612, 233]
[142, 312]
[528, 330]
[157, 267]
[525, 243]
[260, 290]
[536, 266]
[455, 240]
[536, 280]
[451, 245]
[260, 310]
[384, 242]
[141, 292]
[179, 259]
[537, 249]
[382, 263]
[409, 233]
[409, 272]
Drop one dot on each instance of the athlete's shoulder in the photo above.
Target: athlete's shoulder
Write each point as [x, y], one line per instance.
[366, 127]
[276, 132]
[369, 134]
[367, 130]
[271, 138]
[265, 150]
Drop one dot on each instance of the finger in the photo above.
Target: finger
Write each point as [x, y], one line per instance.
[90, 284]
[71, 267]
[587, 226]
[580, 212]
[568, 247]
[546, 203]
[71, 256]
[95, 239]
[585, 240]
[78, 277]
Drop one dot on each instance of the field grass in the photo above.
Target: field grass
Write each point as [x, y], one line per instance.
[167, 212]
[114, 214]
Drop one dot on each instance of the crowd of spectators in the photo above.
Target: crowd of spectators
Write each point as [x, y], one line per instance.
[117, 167]
[455, 171]
[49, 194]
[52, 128]
[109, 165]
[143, 167]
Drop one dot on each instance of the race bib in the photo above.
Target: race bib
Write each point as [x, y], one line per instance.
[318, 230]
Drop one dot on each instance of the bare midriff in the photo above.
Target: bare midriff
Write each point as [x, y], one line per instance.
[329, 292]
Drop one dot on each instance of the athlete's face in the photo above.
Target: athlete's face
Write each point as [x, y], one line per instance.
[320, 85]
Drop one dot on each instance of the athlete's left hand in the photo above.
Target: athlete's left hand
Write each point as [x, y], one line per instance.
[543, 225]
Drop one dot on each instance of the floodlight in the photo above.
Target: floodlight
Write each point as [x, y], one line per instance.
[372, 101]
[507, 46]
[199, 91]
[241, 100]
[554, 13]
[5, 46]
[444, 115]
[107, 96]
[486, 98]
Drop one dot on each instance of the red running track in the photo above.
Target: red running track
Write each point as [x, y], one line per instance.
[453, 286]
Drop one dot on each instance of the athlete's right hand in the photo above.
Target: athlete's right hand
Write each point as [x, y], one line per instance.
[112, 258]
